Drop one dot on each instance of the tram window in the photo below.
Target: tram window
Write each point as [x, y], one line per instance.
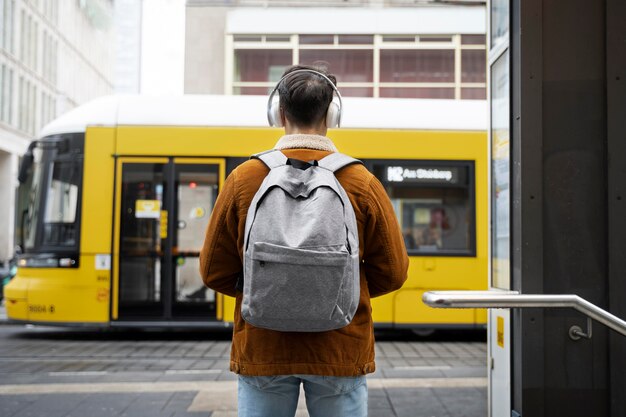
[61, 205]
[29, 215]
[434, 206]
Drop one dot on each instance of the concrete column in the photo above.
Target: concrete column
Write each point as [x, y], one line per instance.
[204, 50]
[8, 175]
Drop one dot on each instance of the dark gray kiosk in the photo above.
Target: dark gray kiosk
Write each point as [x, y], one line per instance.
[558, 209]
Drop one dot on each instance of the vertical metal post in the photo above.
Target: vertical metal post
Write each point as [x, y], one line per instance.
[527, 202]
[616, 150]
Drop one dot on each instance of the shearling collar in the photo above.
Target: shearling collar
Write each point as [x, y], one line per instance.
[301, 141]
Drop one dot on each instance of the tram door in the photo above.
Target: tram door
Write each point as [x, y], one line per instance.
[163, 209]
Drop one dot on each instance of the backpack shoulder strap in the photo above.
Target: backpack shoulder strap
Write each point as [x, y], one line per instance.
[272, 158]
[335, 161]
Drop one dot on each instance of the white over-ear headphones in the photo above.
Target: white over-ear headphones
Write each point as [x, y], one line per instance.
[333, 115]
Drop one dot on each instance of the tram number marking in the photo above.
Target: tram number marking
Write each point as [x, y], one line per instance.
[41, 308]
[102, 294]
[500, 328]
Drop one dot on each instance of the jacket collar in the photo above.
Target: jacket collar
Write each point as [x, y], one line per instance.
[301, 141]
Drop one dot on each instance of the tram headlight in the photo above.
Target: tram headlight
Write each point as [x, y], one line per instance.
[47, 262]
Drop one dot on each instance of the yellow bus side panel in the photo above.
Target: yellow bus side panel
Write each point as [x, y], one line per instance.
[194, 141]
[16, 298]
[68, 295]
[402, 144]
[229, 308]
[97, 218]
[243, 142]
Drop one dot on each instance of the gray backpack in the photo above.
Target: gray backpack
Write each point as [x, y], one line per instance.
[301, 247]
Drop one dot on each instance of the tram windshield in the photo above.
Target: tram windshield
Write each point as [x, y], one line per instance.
[48, 198]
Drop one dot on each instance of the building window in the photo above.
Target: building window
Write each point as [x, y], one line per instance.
[348, 65]
[400, 66]
[49, 53]
[6, 93]
[261, 65]
[473, 66]
[417, 66]
[27, 104]
[7, 10]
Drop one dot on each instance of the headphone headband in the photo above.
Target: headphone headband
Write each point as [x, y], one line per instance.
[270, 102]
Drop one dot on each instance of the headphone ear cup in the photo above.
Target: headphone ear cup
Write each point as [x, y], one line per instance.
[333, 115]
[273, 112]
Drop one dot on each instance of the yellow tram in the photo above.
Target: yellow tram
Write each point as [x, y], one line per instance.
[115, 196]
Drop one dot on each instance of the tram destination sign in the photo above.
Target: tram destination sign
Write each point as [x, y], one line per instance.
[422, 174]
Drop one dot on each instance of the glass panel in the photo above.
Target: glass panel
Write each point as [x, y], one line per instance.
[408, 92]
[409, 39]
[499, 21]
[142, 215]
[316, 39]
[346, 65]
[261, 64]
[473, 66]
[356, 39]
[252, 91]
[61, 205]
[500, 173]
[435, 38]
[406, 65]
[189, 285]
[33, 187]
[472, 39]
[197, 187]
[247, 38]
[473, 93]
[433, 206]
[277, 38]
[357, 91]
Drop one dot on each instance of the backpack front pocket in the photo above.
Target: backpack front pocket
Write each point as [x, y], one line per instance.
[294, 284]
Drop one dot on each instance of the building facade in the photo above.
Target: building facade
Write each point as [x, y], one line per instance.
[375, 48]
[54, 55]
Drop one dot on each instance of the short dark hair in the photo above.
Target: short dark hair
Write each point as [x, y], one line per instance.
[305, 96]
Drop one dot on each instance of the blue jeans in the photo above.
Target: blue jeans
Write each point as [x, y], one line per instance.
[326, 396]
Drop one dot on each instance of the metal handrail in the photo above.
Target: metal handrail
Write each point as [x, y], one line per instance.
[513, 299]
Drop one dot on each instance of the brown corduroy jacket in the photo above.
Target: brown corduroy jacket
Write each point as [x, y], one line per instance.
[348, 351]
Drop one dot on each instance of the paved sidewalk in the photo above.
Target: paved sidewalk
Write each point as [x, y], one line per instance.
[59, 373]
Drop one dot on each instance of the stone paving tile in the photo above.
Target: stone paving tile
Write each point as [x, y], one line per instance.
[182, 364]
[389, 350]
[188, 377]
[152, 403]
[377, 400]
[203, 364]
[463, 402]
[395, 362]
[17, 378]
[409, 373]
[465, 372]
[227, 376]
[219, 349]
[416, 402]
[131, 377]
[11, 404]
